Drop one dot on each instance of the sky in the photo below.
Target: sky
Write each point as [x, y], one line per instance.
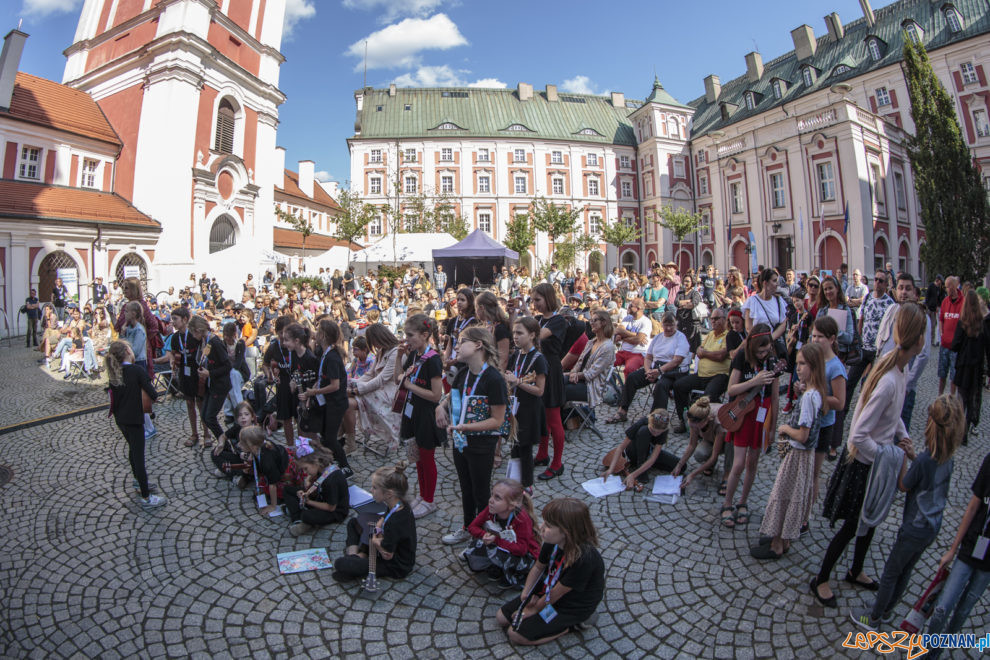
[579, 45]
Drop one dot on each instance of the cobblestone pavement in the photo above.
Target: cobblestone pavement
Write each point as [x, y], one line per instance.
[86, 572]
[31, 392]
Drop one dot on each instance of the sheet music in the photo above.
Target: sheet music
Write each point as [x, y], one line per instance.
[601, 488]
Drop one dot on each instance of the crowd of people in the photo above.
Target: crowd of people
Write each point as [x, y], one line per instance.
[738, 365]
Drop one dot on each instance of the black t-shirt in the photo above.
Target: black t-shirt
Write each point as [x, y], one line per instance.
[686, 316]
[585, 578]
[399, 537]
[273, 461]
[33, 314]
[640, 430]
[233, 433]
[349, 281]
[186, 346]
[304, 370]
[333, 491]
[747, 371]
[978, 527]
[333, 369]
[522, 364]
[489, 383]
[552, 346]
[280, 359]
[59, 295]
[501, 332]
[734, 340]
[422, 424]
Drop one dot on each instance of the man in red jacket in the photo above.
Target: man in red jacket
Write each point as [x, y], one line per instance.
[948, 317]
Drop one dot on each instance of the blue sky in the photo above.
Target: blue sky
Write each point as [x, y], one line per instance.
[580, 45]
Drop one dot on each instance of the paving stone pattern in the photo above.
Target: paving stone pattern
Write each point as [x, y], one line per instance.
[86, 572]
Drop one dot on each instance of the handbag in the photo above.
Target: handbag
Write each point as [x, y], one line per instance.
[700, 311]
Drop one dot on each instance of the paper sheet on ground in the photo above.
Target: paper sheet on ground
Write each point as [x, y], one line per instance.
[600, 488]
[665, 484]
[358, 496]
[303, 560]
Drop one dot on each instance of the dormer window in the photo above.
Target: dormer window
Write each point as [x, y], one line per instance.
[808, 76]
[873, 45]
[953, 19]
[516, 128]
[750, 101]
[914, 32]
[841, 69]
[779, 87]
[589, 131]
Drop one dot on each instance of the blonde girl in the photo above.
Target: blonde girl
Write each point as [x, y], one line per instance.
[703, 425]
[505, 543]
[271, 465]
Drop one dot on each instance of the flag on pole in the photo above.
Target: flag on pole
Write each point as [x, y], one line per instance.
[845, 221]
[801, 223]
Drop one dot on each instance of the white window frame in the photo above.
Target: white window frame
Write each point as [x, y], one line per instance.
[873, 46]
[375, 185]
[808, 76]
[778, 195]
[750, 101]
[900, 191]
[914, 33]
[447, 183]
[483, 155]
[408, 155]
[447, 154]
[953, 19]
[968, 72]
[594, 189]
[375, 156]
[736, 196]
[876, 183]
[594, 224]
[87, 178]
[826, 181]
[626, 188]
[484, 183]
[702, 183]
[518, 155]
[556, 157]
[556, 185]
[706, 224]
[980, 123]
[883, 96]
[624, 162]
[485, 217]
[592, 160]
[678, 167]
[375, 227]
[778, 88]
[519, 184]
[29, 162]
[405, 184]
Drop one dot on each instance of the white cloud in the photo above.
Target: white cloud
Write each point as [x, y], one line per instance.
[296, 11]
[443, 76]
[399, 45]
[578, 85]
[392, 9]
[45, 7]
[323, 175]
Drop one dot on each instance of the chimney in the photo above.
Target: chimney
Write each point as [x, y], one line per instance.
[330, 187]
[552, 93]
[10, 60]
[868, 12]
[754, 67]
[834, 25]
[524, 91]
[279, 177]
[713, 87]
[804, 41]
[391, 89]
[307, 172]
[618, 100]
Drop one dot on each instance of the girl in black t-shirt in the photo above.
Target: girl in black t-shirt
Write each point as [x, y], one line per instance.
[421, 375]
[475, 437]
[553, 327]
[751, 368]
[643, 446]
[330, 390]
[465, 317]
[226, 449]
[394, 535]
[303, 373]
[527, 375]
[322, 499]
[277, 365]
[270, 464]
[567, 582]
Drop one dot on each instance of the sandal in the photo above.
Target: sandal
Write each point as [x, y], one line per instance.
[616, 419]
[872, 585]
[742, 517]
[722, 486]
[729, 520]
[638, 487]
[192, 441]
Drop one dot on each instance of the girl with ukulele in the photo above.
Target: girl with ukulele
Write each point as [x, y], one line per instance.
[527, 376]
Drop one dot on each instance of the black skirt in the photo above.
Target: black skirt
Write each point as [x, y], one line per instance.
[846, 489]
[553, 391]
[286, 402]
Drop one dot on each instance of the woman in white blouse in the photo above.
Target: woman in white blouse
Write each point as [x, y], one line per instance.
[766, 306]
[371, 395]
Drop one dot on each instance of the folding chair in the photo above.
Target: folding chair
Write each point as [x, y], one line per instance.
[583, 410]
[73, 367]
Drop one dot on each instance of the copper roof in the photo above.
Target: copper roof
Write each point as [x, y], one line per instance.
[24, 199]
[47, 103]
[292, 239]
[320, 199]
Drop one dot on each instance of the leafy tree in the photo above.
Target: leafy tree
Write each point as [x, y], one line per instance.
[953, 201]
[679, 221]
[620, 233]
[301, 224]
[556, 222]
[423, 213]
[520, 234]
[354, 218]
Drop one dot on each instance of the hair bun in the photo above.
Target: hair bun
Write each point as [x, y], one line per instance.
[401, 466]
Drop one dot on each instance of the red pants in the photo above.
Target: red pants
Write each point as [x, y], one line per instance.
[629, 361]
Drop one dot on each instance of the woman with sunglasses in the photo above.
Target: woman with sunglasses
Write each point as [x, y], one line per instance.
[832, 302]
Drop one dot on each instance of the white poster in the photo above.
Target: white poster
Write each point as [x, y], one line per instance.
[132, 271]
[70, 278]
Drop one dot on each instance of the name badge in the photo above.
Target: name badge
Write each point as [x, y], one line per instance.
[186, 371]
[408, 410]
[320, 399]
[515, 406]
[262, 501]
[761, 415]
[453, 354]
[980, 549]
[548, 614]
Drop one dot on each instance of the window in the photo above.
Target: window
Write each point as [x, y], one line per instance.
[483, 155]
[375, 156]
[447, 154]
[839, 70]
[594, 224]
[702, 157]
[900, 196]
[679, 168]
[556, 157]
[624, 162]
[628, 221]
[706, 224]
[808, 75]
[968, 73]
[980, 121]
[223, 234]
[913, 32]
[592, 160]
[953, 19]
[408, 106]
[447, 126]
[375, 185]
[89, 173]
[375, 227]
[778, 88]
[409, 221]
[777, 190]
[702, 184]
[409, 155]
[593, 186]
[589, 131]
[447, 183]
[30, 158]
[455, 95]
[873, 45]
[648, 185]
[826, 183]
[410, 185]
[378, 108]
[627, 188]
[735, 191]
[557, 186]
[485, 222]
[484, 183]
[673, 128]
[876, 183]
[519, 156]
[750, 101]
[520, 185]
[883, 97]
[223, 141]
[517, 128]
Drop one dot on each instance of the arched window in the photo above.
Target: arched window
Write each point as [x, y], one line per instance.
[223, 234]
[127, 264]
[953, 19]
[224, 140]
[873, 45]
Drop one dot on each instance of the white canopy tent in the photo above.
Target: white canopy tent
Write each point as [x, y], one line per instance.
[413, 249]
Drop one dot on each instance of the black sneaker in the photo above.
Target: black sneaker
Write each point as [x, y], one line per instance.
[348, 472]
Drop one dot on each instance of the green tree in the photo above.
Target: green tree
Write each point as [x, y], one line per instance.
[679, 221]
[953, 201]
[620, 233]
[354, 218]
[556, 222]
[519, 234]
[301, 224]
[423, 213]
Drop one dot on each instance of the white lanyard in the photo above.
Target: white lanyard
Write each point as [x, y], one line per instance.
[470, 392]
[521, 358]
[552, 577]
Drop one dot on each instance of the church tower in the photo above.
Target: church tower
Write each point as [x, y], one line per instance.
[191, 88]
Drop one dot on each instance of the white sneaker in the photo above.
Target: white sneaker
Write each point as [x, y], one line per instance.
[219, 474]
[460, 536]
[424, 509]
[152, 501]
[415, 502]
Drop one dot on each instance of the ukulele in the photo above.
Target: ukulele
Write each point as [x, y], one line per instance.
[731, 414]
[370, 582]
[201, 391]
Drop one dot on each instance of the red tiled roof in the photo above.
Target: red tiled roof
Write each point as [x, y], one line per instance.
[23, 199]
[47, 103]
[320, 198]
[292, 239]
